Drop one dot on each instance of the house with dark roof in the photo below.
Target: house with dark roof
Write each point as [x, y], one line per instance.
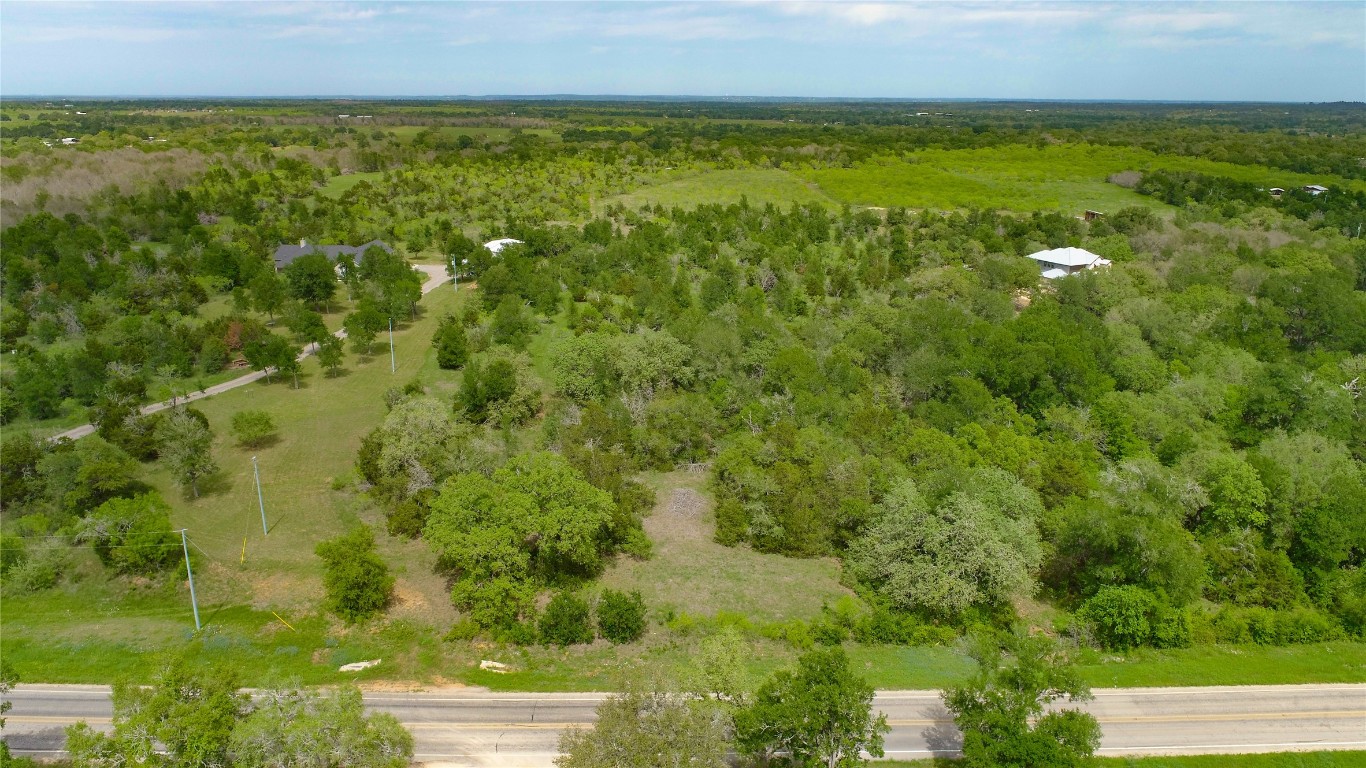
[286, 254]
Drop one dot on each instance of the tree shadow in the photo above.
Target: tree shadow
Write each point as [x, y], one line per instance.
[943, 738]
[339, 373]
[214, 483]
[269, 441]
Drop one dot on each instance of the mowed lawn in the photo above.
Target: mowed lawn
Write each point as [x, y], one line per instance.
[757, 185]
[1065, 177]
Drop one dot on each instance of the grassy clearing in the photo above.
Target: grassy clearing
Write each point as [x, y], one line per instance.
[1068, 177]
[758, 185]
[692, 573]
[1347, 759]
[339, 185]
[477, 132]
[1336, 662]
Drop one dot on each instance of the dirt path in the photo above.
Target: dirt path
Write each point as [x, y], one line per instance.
[436, 277]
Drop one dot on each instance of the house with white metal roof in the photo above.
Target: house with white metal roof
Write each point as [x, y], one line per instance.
[1061, 262]
[496, 246]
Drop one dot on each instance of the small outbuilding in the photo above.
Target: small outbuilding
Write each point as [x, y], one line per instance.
[1315, 189]
[1091, 215]
[1276, 191]
[1061, 262]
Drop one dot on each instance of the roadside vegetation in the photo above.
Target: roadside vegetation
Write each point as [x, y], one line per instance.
[753, 379]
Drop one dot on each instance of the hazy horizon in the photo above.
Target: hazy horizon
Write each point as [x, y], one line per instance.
[1270, 52]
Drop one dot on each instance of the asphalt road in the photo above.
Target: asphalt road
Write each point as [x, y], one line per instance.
[436, 277]
[464, 727]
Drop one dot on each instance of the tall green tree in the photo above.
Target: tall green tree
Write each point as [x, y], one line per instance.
[311, 278]
[452, 346]
[821, 714]
[327, 729]
[330, 354]
[1005, 711]
[185, 719]
[186, 447]
[641, 728]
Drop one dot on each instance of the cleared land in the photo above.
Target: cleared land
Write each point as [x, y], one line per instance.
[1068, 177]
[691, 573]
[759, 186]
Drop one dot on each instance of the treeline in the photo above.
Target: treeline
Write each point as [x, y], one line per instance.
[1343, 210]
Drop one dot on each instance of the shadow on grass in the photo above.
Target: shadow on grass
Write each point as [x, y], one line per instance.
[269, 441]
[213, 484]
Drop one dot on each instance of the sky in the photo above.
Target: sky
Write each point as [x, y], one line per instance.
[1167, 50]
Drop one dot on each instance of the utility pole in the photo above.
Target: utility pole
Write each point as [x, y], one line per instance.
[260, 500]
[393, 361]
[193, 601]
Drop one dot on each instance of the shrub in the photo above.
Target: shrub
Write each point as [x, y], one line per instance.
[253, 429]
[566, 621]
[826, 633]
[463, 630]
[40, 570]
[1265, 626]
[11, 553]
[132, 535]
[885, 627]
[1171, 627]
[1119, 616]
[621, 617]
[357, 580]
[409, 517]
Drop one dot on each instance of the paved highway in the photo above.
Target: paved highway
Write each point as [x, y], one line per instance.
[466, 727]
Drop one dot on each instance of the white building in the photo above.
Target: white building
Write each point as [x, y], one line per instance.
[1315, 189]
[1061, 262]
[496, 246]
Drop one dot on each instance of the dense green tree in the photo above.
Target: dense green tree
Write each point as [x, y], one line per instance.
[330, 354]
[363, 325]
[621, 616]
[185, 719]
[534, 521]
[1006, 712]
[311, 278]
[307, 728]
[186, 447]
[566, 621]
[821, 714]
[451, 344]
[356, 578]
[945, 558]
[132, 535]
[642, 728]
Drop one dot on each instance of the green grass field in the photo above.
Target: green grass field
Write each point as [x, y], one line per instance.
[478, 132]
[692, 573]
[1070, 178]
[758, 185]
[339, 185]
